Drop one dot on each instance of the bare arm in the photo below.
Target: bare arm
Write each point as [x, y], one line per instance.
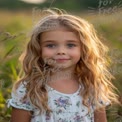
[100, 116]
[19, 115]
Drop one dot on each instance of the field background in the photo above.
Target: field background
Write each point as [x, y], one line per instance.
[15, 27]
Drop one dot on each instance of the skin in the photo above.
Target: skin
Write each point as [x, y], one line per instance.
[19, 115]
[100, 116]
[60, 44]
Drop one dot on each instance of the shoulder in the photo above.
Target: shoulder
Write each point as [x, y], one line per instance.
[18, 99]
[20, 90]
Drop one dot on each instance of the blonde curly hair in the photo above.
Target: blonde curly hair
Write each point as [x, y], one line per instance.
[92, 69]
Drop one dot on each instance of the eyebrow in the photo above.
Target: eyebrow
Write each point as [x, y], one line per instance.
[47, 41]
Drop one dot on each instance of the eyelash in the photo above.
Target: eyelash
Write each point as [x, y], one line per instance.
[71, 45]
[51, 45]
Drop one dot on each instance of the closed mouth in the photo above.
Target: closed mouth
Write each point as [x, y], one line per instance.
[62, 60]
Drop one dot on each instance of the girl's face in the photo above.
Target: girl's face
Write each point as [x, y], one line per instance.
[60, 48]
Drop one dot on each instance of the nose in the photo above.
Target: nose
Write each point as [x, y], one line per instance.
[61, 50]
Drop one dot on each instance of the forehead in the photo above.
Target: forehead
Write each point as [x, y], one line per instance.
[62, 33]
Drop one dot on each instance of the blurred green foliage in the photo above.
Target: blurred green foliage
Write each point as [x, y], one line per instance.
[14, 29]
[75, 5]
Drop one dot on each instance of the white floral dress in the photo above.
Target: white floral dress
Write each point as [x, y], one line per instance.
[65, 107]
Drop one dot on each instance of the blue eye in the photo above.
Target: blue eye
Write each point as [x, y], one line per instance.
[71, 45]
[50, 45]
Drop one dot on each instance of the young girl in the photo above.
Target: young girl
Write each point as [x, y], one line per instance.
[66, 76]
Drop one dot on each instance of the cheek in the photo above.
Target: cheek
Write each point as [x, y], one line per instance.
[46, 52]
[76, 54]
[47, 56]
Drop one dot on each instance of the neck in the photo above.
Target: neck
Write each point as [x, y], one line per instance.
[63, 75]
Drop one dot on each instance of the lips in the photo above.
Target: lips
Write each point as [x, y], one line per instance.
[62, 60]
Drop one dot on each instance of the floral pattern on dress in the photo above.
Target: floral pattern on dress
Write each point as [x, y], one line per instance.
[78, 118]
[48, 116]
[62, 102]
[18, 101]
[90, 116]
[64, 108]
[78, 104]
